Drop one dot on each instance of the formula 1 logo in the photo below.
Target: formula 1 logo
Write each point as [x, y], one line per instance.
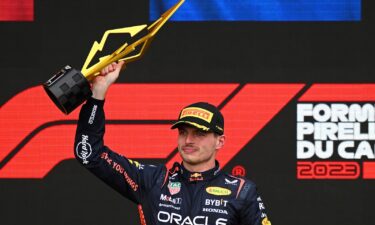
[336, 132]
[35, 136]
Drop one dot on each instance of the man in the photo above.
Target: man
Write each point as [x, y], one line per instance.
[195, 192]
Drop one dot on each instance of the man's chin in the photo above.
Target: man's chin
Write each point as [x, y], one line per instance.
[190, 160]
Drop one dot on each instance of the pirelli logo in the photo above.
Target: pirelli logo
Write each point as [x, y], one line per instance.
[198, 113]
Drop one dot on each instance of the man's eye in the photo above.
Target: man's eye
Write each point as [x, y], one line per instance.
[201, 133]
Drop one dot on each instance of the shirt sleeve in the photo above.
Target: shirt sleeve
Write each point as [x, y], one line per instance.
[128, 177]
[253, 211]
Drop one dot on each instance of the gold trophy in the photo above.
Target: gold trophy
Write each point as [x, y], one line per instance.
[69, 87]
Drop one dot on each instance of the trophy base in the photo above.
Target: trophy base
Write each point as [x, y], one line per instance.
[68, 89]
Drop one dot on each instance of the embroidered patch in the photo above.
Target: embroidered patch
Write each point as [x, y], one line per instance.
[174, 187]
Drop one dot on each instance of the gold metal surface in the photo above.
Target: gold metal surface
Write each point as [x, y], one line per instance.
[122, 52]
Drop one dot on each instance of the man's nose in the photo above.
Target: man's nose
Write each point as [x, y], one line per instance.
[189, 138]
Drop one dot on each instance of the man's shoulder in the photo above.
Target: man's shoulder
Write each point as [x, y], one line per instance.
[239, 186]
[155, 171]
[232, 179]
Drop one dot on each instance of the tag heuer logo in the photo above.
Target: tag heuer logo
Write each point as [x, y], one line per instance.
[174, 187]
[218, 191]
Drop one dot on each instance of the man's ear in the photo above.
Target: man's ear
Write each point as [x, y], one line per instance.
[220, 141]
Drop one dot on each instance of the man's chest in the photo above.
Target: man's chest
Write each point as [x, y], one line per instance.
[200, 203]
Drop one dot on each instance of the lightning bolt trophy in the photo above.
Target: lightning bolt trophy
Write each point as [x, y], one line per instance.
[69, 87]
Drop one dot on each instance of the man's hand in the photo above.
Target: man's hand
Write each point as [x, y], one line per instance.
[102, 82]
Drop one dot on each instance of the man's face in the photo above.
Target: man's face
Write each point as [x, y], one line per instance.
[198, 147]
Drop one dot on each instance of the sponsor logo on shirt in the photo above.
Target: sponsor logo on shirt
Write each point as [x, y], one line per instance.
[262, 208]
[118, 168]
[173, 176]
[174, 187]
[83, 149]
[166, 198]
[92, 116]
[220, 211]
[174, 218]
[216, 202]
[218, 191]
[137, 164]
[195, 177]
[231, 182]
[265, 221]
[169, 206]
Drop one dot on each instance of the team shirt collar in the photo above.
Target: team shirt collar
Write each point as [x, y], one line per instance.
[196, 176]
